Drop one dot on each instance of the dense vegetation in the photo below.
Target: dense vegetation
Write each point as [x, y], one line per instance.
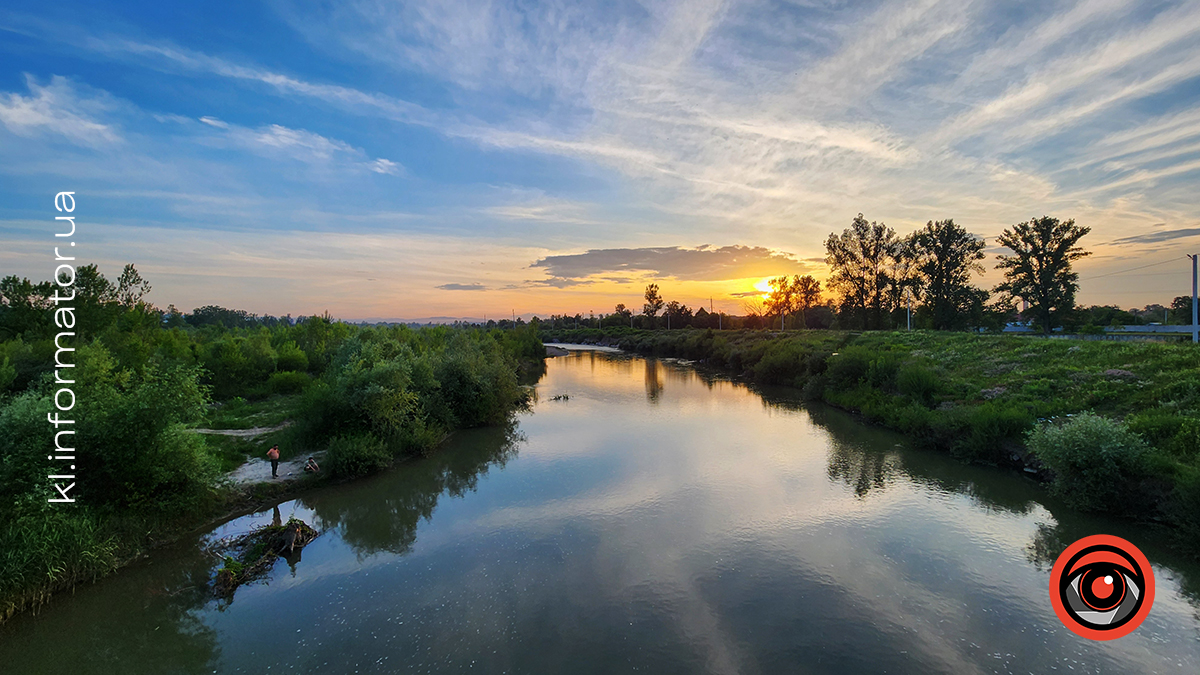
[144, 377]
[981, 397]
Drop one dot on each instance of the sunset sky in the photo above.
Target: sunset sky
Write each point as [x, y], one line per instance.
[416, 159]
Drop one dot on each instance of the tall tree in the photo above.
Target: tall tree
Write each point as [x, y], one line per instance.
[1039, 271]
[808, 295]
[780, 298]
[946, 256]
[131, 287]
[860, 261]
[654, 302]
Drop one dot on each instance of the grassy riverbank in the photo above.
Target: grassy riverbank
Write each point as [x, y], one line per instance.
[980, 397]
[366, 395]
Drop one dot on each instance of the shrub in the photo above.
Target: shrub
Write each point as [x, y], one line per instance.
[1168, 431]
[289, 382]
[291, 357]
[1183, 508]
[988, 427]
[917, 382]
[781, 364]
[848, 367]
[1094, 460]
[357, 455]
[882, 373]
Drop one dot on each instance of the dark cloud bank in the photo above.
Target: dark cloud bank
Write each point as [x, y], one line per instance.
[703, 263]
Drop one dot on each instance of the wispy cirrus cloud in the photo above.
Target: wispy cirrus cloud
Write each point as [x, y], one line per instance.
[613, 128]
[58, 108]
[274, 140]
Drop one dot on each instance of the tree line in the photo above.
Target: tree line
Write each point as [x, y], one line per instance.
[879, 280]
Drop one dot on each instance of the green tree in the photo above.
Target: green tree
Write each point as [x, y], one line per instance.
[808, 295]
[860, 261]
[1181, 310]
[654, 301]
[131, 287]
[780, 299]
[24, 307]
[1039, 271]
[946, 257]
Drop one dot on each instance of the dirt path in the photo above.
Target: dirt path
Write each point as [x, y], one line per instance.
[243, 433]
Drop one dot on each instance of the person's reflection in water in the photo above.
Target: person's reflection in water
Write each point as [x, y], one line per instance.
[276, 519]
[293, 558]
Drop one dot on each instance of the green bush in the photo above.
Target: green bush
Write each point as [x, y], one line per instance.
[847, 368]
[917, 382]
[291, 357]
[1168, 431]
[1095, 460]
[357, 455]
[781, 363]
[987, 427]
[289, 382]
[1183, 508]
[882, 372]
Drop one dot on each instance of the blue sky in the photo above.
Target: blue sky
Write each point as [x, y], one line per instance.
[414, 159]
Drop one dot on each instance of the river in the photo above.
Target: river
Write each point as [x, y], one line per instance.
[656, 520]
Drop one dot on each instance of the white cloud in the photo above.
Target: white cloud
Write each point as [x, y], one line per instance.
[777, 122]
[57, 108]
[274, 140]
[386, 166]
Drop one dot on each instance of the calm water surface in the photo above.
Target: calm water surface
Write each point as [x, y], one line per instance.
[657, 521]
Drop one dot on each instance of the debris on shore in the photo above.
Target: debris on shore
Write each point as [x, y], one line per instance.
[250, 556]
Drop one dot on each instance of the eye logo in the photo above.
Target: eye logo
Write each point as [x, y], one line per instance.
[1102, 587]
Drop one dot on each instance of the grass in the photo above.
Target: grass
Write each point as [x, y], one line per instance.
[239, 413]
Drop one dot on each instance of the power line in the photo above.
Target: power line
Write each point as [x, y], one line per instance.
[1131, 269]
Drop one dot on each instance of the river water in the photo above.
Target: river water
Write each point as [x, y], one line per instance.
[657, 520]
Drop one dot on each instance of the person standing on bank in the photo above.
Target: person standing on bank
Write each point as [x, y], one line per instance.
[273, 455]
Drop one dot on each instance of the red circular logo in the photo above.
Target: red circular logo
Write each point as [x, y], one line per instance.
[1102, 587]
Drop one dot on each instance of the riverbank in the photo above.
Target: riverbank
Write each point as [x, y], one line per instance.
[380, 396]
[978, 396]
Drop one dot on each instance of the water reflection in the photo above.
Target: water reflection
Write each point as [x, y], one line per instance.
[661, 519]
[654, 382]
[382, 514]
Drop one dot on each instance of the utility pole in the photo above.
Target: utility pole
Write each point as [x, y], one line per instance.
[1195, 323]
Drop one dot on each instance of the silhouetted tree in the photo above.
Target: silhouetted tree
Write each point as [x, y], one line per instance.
[1039, 271]
[780, 299]
[946, 256]
[860, 261]
[654, 302]
[1181, 310]
[808, 295]
[131, 287]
